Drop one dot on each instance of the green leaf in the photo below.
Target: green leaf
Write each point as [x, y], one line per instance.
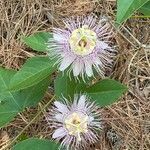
[64, 86]
[36, 144]
[145, 9]
[38, 41]
[13, 102]
[125, 8]
[32, 72]
[106, 92]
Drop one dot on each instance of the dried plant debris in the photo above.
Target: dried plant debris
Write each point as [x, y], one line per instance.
[114, 139]
[4, 139]
[131, 116]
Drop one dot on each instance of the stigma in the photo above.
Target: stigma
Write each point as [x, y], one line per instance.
[76, 124]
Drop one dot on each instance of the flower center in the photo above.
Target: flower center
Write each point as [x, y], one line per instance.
[76, 124]
[83, 41]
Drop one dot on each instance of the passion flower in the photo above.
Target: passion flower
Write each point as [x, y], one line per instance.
[82, 46]
[76, 124]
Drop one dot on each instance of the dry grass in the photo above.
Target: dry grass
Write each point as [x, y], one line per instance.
[130, 117]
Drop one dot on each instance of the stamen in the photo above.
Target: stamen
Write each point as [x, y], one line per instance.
[79, 137]
[83, 41]
[76, 124]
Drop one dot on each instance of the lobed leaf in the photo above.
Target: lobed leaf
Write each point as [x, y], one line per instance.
[104, 92]
[13, 102]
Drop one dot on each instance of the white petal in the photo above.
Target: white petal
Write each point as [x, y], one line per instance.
[74, 105]
[97, 61]
[103, 45]
[88, 68]
[98, 64]
[59, 117]
[91, 119]
[81, 102]
[59, 38]
[77, 68]
[67, 60]
[59, 133]
[61, 107]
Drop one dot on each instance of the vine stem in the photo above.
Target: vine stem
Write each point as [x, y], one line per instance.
[14, 140]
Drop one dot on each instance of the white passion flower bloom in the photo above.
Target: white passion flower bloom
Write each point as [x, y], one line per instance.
[75, 124]
[83, 46]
